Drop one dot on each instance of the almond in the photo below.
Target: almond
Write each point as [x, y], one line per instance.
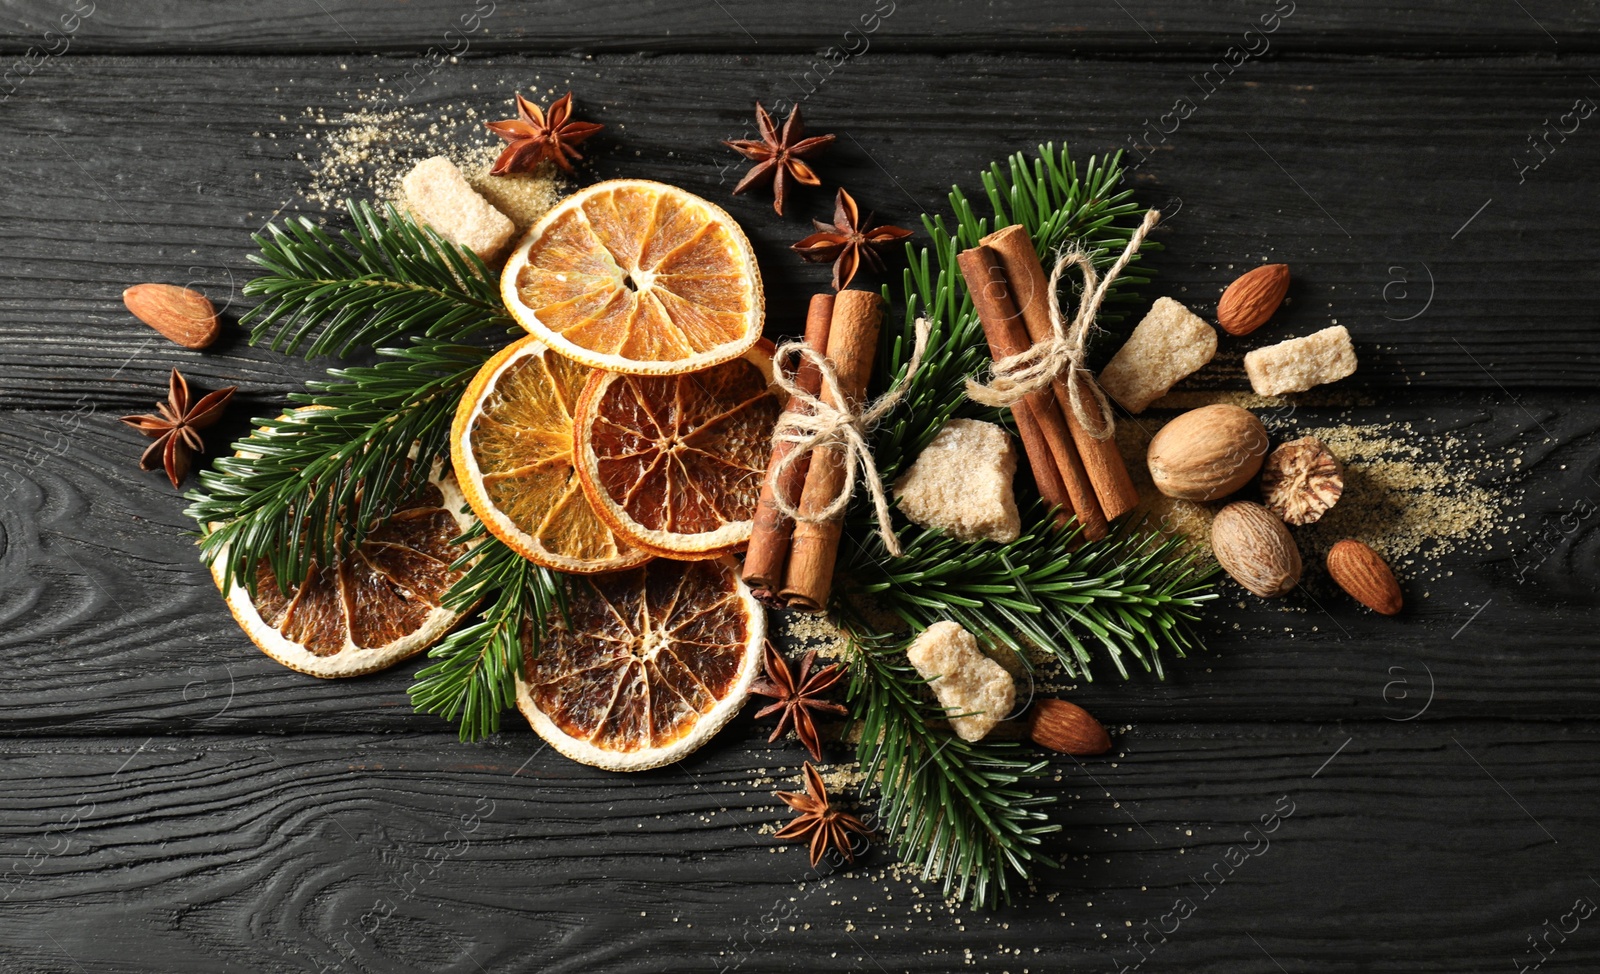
[183, 315]
[1253, 546]
[1364, 574]
[1067, 727]
[1208, 453]
[1250, 301]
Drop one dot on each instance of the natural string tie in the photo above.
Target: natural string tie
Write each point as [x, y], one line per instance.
[1065, 350]
[843, 427]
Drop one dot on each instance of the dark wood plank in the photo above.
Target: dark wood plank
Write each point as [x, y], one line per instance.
[1146, 28]
[376, 853]
[1321, 164]
[112, 625]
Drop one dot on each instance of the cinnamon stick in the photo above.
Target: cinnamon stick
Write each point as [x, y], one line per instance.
[1053, 449]
[1101, 459]
[814, 546]
[769, 535]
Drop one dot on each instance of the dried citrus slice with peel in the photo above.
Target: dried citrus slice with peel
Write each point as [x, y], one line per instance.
[639, 277]
[647, 666]
[511, 444]
[378, 606]
[674, 463]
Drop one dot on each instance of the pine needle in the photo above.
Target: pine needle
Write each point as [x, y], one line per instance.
[306, 488]
[388, 277]
[474, 677]
[1128, 594]
[957, 811]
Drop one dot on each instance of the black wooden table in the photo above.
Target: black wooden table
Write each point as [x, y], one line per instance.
[172, 800]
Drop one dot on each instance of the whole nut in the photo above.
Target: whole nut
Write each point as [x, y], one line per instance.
[1364, 574]
[1207, 453]
[1301, 480]
[1250, 301]
[187, 317]
[1067, 727]
[1253, 546]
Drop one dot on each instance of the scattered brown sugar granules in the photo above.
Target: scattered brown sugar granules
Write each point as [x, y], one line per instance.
[1414, 496]
[363, 153]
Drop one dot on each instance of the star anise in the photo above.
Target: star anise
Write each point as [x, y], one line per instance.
[797, 698]
[848, 242]
[779, 157]
[536, 135]
[176, 427]
[824, 826]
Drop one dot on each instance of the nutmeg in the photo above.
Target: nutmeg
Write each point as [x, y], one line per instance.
[1207, 453]
[1253, 546]
[1301, 480]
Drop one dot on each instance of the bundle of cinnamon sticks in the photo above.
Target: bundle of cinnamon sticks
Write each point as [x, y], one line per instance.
[790, 564]
[1081, 475]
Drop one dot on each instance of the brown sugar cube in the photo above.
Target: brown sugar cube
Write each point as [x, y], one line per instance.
[1170, 343]
[1300, 363]
[961, 483]
[967, 683]
[440, 196]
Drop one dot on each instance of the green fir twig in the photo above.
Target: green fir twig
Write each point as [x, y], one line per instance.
[307, 487]
[473, 678]
[960, 812]
[388, 277]
[1128, 594]
[1059, 206]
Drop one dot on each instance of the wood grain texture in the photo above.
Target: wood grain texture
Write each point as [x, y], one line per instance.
[111, 623]
[354, 853]
[1143, 28]
[174, 801]
[1364, 176]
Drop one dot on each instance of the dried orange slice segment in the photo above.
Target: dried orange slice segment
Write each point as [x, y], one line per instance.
[674, 463]
[376, 607]
[639, 277]
[511, 445]
[647, 666]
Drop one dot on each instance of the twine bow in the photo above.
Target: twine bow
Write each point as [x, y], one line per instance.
[1031, 370]
[843, 428]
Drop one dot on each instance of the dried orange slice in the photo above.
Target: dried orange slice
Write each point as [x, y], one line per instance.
[639, 277]
[647, 666]
[511, 444]
[674, 463]
[375, 608]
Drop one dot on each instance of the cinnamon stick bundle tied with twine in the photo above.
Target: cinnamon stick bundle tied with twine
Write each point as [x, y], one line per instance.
[1057, 358]
[771, 530]
[1066, 348]
[843, 428]
[830, 431]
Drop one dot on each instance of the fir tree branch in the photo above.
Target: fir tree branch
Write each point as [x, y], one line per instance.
[308, 487]
[951, 808]
[1130, 593]
[1125, 595]
[387, 278]
[963, 811]
[473, 678]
